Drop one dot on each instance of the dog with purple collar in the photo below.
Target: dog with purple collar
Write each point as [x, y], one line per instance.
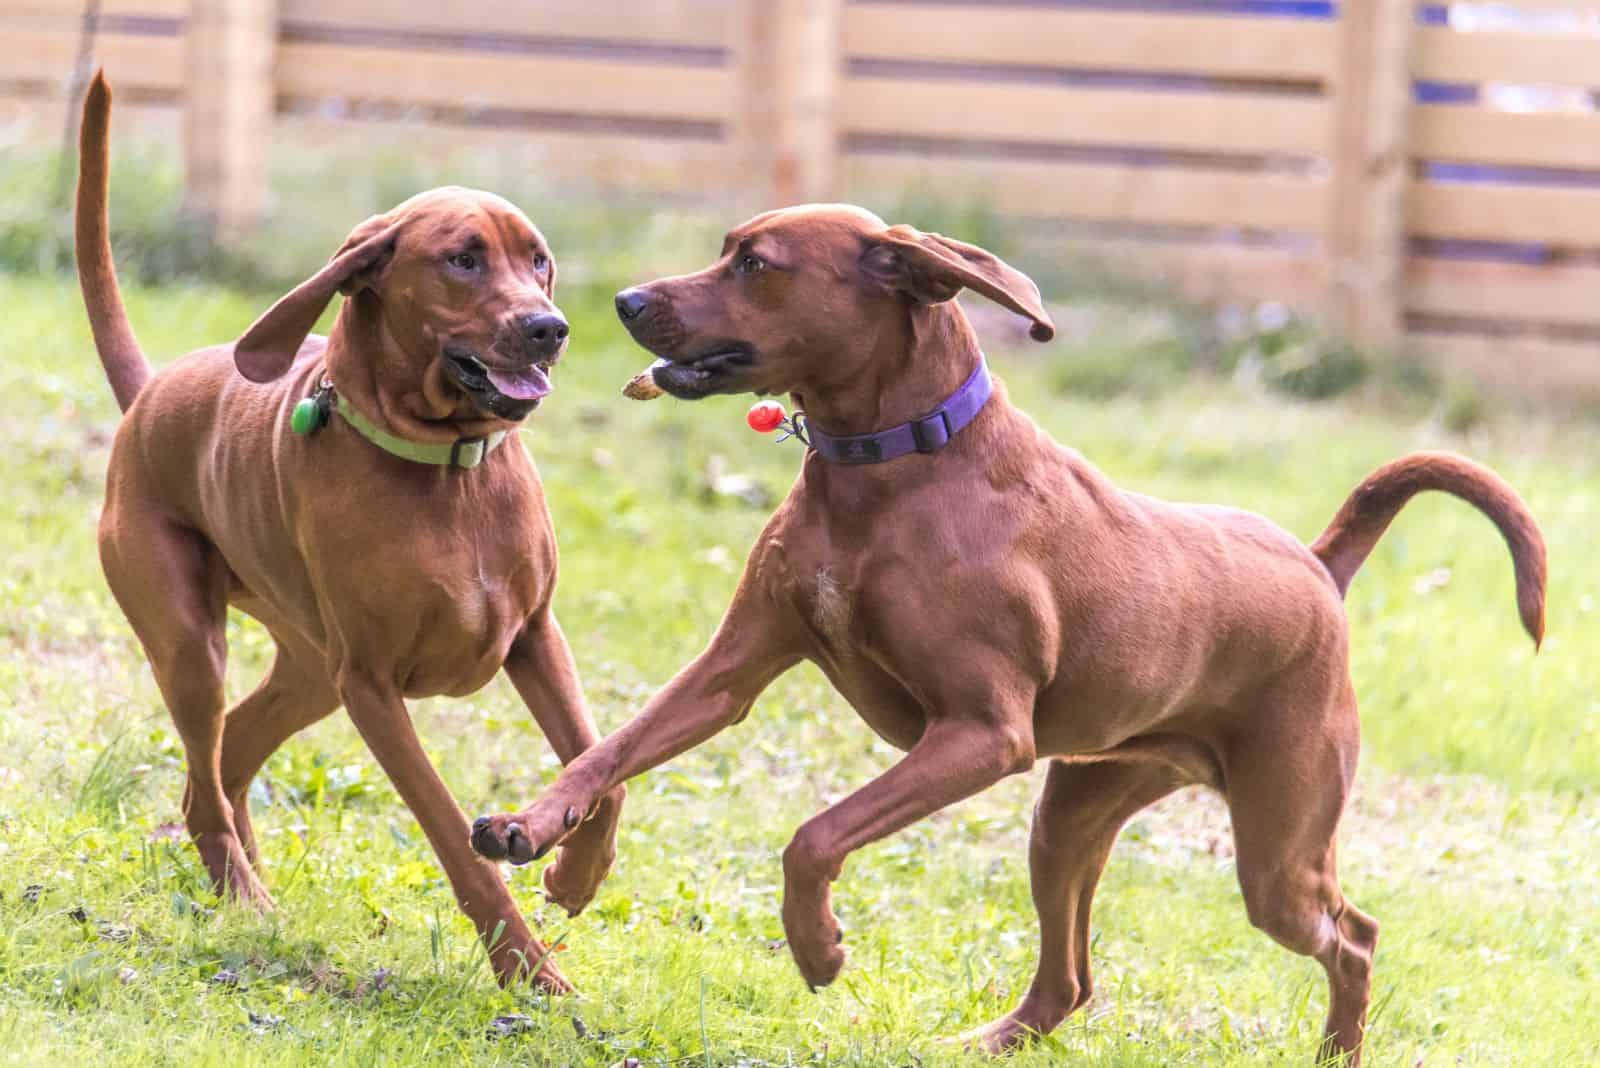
[985, 598]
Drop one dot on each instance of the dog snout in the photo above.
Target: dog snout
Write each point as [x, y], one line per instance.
[543, 331]
[632, 303]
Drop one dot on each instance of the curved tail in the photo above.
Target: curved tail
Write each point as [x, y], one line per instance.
[125, 363]
[1366, 514]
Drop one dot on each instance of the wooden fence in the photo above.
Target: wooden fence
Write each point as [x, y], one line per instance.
[1369, 160]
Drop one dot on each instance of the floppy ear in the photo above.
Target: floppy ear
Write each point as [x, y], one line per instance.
[933, 269]
[266, 350]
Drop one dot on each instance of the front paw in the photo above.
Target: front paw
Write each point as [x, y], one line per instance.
[820, 961]
[817, 947]
[525, 836]
[585, 857]
[515, 961]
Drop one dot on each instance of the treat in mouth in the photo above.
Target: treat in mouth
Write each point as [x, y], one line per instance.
[723, 369]
[642, 386]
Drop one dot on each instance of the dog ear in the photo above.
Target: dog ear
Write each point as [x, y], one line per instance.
[268, 347]
[933, 269]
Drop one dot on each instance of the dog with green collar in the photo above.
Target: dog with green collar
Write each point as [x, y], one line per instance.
[364, 496]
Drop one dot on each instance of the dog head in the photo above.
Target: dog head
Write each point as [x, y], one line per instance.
[452, 295]
[807, 296]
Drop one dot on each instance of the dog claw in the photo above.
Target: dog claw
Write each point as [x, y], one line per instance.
[484, 841]
[518, 846]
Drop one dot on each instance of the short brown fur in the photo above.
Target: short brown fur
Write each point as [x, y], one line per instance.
[378, 578]
[1000, 601]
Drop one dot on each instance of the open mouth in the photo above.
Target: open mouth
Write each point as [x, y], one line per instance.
[507, 392]
[712, 372]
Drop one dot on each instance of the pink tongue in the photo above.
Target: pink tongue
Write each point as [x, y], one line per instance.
[528, 384]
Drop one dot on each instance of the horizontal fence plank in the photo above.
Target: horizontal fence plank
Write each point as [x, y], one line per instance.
[614, 161]
[1447, 55]
[1511, 291]
[1222, 46]
[1207, 272]
[1477, 135]
[1214, 122]
[130, 61]
[71, 11]
[487, 80]
[1546, 7]
[1510, 213]
[37, 119]
[1544, 369]
[1168, 196]
[694, 23]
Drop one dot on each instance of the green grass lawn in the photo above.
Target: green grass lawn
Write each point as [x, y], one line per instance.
[1472, 837]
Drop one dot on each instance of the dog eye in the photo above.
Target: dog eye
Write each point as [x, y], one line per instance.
[465, 261]
[541, 262]
[749, 263]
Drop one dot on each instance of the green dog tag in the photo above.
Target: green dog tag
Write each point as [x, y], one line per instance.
[307, 416]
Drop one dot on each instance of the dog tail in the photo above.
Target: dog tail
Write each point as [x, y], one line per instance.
[120, 355]
[1366, 514]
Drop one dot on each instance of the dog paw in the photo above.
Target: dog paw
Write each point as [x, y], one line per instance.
[1038, 1014]
[820, 959]
[514, 963]
[575, 877]
[232, 875]
[522, 837]
[586, 856]
[1001, 1036]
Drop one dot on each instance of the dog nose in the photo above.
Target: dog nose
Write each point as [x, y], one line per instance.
[631, 304]
[546, 330]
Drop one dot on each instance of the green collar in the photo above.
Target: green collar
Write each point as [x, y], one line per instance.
[467, 452]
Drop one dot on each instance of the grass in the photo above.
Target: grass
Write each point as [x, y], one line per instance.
[1471, 837]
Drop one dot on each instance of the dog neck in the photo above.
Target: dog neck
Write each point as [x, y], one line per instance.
[372, 370]
[909, 374]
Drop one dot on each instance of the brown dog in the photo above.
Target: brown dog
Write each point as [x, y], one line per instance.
[997, 600]
[380, 577]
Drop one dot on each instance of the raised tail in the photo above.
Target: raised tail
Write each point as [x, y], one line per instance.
[1366, 514]
[125, 363]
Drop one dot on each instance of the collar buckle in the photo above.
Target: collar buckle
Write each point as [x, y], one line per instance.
[931, 433]
[467, 453]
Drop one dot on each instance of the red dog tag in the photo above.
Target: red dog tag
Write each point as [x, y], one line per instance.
[766, 416]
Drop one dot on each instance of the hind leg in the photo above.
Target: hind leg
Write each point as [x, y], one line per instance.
[1075, 823]
[1287, 781]
[172, 585]
[294, 694]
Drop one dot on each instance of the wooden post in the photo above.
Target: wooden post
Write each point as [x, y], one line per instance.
[1369, 157]
[228, 109]
[785, 128]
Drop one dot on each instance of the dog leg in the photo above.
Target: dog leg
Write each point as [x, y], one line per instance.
[294, 694]
[953, 760]
[752, 647]
[379, 713]
[1286, 783]
[1079, 815]
[172, 586]
[540, 666]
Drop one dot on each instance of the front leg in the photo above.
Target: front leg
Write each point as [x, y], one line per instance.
[379, 713]
[541, 667]
[953, 760]
[756, 642]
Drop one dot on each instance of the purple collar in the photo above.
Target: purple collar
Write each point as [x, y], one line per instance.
[930, 433]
